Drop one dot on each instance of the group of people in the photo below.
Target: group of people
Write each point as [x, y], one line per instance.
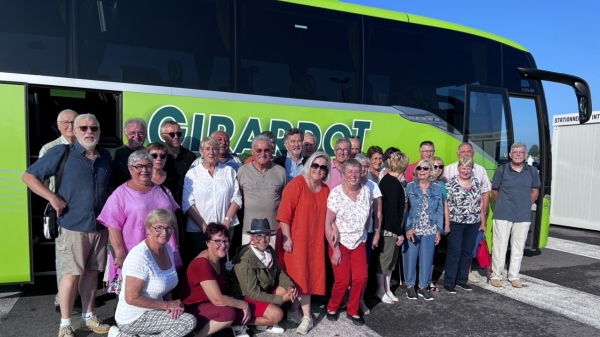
[164, 224]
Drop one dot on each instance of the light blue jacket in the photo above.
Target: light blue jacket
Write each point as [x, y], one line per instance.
[435, 209]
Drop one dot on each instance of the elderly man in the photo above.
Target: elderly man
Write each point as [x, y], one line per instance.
[293, 162]
[261, 183]
[515, 187]
[355, 146]
[271, 142]
[82, 241]
[135, 133]
[310, 145]
[224, 156]
[64, 121]
[179, 159]
[342, 153]
[426, 150]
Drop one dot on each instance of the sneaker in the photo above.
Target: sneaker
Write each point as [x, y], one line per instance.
[66, 331]
[305, 326]
[496, 283]
[95, 324]
[240, 331]
[272, 329]
[392, 296]
[465, 287]
[385, 298]
[411, 293]
[114, 331]
[474, 277]
[450, 290]
[516, 283]
[294, 316]
[425, 294]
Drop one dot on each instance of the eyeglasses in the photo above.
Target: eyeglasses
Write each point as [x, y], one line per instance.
[85, 128]
[519, 153]
[339, 149]
[66, 123]
[220, 242]
[140, 167]
[262, 150]
[309, 144]
[262, 237]
[422, 168]
[317, 166]
[438, 167]
[156, 155]
[173, 134]
[133, 133]
[160, 229]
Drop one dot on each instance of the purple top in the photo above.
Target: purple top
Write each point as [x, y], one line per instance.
[126, 210]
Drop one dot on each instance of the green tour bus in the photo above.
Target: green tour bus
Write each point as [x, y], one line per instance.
[246, 66]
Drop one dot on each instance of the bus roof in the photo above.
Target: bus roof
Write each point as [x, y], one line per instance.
[399, 16]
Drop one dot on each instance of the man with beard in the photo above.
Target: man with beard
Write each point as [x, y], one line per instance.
[135, 133]
[261, 183]
[179, 159]
[82, 240]
[293, 162]
[224, 157]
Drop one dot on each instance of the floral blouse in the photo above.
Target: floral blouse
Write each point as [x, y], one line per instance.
[350, 216]
[464, 204]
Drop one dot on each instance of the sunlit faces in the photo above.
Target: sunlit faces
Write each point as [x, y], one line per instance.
[141, 171]
[261, 241]
[438, 168]
[65, 125]
[209, 153]
[518, 155]
[316, 171]
[465, 150]
[354, 147]
[352, 175]
[310, 145]
[293, 144]
[342, 152]
[223, 139]
[172, 135]
[87, 133]
[464, 171]
[160, 232]
[136, 135]
[424, 171]
[427, 152]
[365, 169]
[160, 158]
[376, 160]
[219, 244]
[261, 150]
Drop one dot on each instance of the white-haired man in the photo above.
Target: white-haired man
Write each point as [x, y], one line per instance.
[135, 133]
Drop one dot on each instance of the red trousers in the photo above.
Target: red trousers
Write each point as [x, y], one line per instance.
[353, 268]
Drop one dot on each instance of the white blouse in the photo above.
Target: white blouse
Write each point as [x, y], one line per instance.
[350, 216]
[212, 195]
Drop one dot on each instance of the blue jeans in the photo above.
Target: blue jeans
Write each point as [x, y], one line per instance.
[422, 250]
[461, 241]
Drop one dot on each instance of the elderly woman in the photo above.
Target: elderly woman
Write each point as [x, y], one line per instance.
[301, 235]
[125, 213]
[424, 227]
[260, 280]
[349, 205]
[204, 288]
[146, 306]
[464, 217]
[375, 155]
[395, 204]
[159, 153]
[211, 193]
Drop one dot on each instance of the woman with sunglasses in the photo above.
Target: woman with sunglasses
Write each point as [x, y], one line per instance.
[301, 235]
[424, 228]
[259, 279]
[203, 290]
[438, 169]
[125, 213]
[159, 153]
[146, 305]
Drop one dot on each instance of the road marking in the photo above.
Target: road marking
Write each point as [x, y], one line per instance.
[572, 247]
[7, 301]
[574, 304]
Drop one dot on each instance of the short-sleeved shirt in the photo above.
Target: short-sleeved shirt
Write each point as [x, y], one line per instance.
[351, 216]
[464, 204]
[200, 270]
[119, 165]
[514, 192]
[58, 141]
[157, 282]
[261, 193]
[336, 177]
[478, 172]
[176, 168]
[375, 194]
[84, 184]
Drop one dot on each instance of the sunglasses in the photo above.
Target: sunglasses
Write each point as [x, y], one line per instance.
[438, 167]
[317, 166]
[156, 155]
[85, 128]
[173, 134]
[422, 168]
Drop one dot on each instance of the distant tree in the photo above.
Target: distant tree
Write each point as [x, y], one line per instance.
[534, 151]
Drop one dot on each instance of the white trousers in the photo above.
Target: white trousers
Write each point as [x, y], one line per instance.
[502, 232]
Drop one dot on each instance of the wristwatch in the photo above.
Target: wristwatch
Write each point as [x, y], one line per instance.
[376, 229]
[228, 219]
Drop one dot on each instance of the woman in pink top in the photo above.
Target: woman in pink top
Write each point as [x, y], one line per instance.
[125, 213]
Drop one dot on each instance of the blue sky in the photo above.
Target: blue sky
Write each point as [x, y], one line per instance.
[563, 36]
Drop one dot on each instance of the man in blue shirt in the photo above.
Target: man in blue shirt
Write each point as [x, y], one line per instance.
[515, 187]
[82, 240]
[293, 162]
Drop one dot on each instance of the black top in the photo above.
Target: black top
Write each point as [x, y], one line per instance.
[394, 204]
[281, 161]
[176, 168]
[119, 166]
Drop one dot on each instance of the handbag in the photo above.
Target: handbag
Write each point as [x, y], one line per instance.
[50, 225]
[483, 254]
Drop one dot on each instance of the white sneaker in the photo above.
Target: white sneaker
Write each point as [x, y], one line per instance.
[114, 331]
[305, 326]
[272, 329]
[474, 277]
[295, 316]
[240, 331]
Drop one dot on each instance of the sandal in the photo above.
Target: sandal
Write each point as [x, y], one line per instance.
[364, 309]
[433, 289]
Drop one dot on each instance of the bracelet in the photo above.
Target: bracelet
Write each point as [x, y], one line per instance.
[228, 219]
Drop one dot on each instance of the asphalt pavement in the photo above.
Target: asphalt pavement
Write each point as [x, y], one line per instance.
[560, 297]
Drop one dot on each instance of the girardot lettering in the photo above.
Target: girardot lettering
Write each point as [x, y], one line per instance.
[203, 125]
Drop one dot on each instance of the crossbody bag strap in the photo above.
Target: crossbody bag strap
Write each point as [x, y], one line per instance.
[59, 175]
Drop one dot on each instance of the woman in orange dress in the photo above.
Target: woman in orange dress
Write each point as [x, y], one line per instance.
[301, 235]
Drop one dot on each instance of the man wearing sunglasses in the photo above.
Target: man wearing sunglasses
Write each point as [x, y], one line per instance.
[81, 196]
[135, 133]
[179, 159]
[426, 151]
[261, 183]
